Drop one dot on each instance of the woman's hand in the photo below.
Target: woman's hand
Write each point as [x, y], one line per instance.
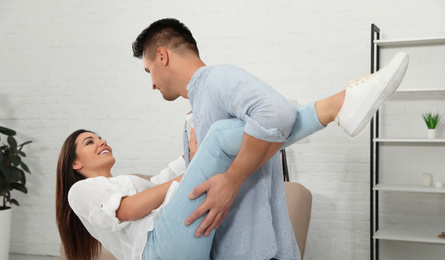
[193, 143]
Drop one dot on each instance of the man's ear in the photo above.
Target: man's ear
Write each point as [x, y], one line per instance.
[77, 165]
[162, 55]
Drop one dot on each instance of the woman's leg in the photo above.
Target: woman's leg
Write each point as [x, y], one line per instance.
[171, 238]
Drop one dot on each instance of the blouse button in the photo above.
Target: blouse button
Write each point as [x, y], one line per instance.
[101, 205]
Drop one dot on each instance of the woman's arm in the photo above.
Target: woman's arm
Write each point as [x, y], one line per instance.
[143, 203]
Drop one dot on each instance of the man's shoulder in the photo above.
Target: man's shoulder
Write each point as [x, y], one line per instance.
[227, 74]
[226, 68]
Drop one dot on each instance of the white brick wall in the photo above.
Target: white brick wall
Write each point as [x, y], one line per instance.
[66, 65]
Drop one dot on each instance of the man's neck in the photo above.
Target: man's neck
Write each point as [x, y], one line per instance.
[186, 68]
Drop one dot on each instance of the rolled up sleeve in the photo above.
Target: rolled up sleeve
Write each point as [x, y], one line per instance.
[96, 200]
[268, 115]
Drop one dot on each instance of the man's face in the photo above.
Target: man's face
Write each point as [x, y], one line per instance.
[159, 77]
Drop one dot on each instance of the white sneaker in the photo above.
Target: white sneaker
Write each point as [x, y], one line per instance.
[364, 96]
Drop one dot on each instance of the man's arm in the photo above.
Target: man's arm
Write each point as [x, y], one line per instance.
[222, 189]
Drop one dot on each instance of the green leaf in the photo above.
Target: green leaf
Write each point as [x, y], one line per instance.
[20, 187]
[16, 160]
[21, 153]
[22, 177]
[432, 120]
[13, 201]
[7, 171]
[7, 131]
[2, 169]
[25, 167]
[17, 174]
[12, 142]
[25, 143]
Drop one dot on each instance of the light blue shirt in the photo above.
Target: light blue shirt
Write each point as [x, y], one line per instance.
[224, 91]
[257, 226]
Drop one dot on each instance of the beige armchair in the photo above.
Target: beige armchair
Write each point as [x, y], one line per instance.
[299, 205]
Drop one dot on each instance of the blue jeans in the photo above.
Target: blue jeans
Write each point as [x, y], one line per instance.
[171, 238]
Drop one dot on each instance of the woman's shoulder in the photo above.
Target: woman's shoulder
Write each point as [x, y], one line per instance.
[97, 183]
[88, 183]
[102, 184]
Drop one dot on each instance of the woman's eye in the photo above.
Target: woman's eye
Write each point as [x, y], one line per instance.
[89, 142]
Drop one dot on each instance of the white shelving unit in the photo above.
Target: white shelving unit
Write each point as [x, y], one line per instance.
[408, 188]
[422, 90]
[409, 236]
[410, 42]
[409, 140]
[389, 147]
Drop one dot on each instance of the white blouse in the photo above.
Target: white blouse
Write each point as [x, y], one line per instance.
[95, 201]
[174, 169]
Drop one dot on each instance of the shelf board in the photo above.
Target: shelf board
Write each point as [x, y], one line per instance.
[408, 188]
[408, 42]
[408, 140]
[420, 90]
[409, 235]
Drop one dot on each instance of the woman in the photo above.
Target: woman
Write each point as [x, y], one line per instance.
[85, 155]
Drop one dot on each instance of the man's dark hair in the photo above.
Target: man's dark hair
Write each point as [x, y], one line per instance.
[169, 33]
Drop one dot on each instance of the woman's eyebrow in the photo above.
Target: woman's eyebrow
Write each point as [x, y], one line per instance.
[89, 137]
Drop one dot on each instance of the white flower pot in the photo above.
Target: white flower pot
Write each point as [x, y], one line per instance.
[5, 234]
[431, 133]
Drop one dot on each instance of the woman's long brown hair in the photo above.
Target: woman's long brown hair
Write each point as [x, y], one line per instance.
[77, 242]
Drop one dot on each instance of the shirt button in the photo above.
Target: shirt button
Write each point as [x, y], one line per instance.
[101, 205]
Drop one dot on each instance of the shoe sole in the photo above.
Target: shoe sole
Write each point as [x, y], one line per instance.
[384, 91]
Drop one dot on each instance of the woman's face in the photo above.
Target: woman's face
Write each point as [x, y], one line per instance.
[94, 156]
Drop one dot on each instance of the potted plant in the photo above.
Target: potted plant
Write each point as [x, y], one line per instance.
[12, 176]
[431, 121]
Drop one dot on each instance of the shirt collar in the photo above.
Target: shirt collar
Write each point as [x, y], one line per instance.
[194, 83]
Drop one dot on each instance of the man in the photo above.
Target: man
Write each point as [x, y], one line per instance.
[257, 226]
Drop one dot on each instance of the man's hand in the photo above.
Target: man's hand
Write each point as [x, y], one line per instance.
[221, 193]
[222, 189]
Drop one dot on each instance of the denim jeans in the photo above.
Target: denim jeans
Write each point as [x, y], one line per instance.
[171, 238]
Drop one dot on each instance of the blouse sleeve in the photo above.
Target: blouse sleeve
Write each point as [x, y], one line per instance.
[95, 200]
[174, 169]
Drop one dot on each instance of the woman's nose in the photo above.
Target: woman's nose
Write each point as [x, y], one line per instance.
[103, 142]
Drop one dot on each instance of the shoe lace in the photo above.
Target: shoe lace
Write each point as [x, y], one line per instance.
[362, 80]
[357, 82]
